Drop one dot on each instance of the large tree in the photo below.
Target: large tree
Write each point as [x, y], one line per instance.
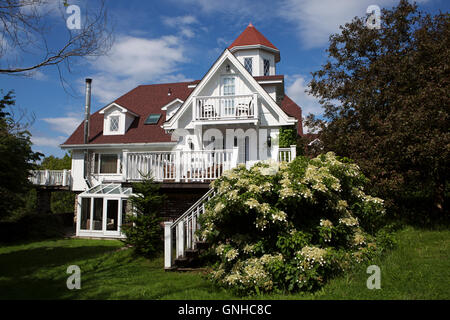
[385, 94]
[16, 158]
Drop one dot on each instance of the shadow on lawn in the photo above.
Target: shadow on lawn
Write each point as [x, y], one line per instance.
[24, 274]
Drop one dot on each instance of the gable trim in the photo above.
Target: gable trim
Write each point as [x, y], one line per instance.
[177, 100]
[122, 109]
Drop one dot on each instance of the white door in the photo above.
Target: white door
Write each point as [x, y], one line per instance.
[111, 216]
[228, 89]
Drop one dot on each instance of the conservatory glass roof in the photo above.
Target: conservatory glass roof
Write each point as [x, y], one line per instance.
[111, 189]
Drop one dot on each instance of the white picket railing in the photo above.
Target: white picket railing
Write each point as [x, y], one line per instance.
[284, 154]
[226, 107]
[180, 166]
[61, 178]
[185, 227]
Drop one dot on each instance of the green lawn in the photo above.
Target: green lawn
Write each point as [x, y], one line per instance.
[417, 269]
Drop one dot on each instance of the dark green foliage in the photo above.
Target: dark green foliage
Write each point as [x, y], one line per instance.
[55, 163]
[288, 136]
[16, 159]
[143, 230]
[385, 95]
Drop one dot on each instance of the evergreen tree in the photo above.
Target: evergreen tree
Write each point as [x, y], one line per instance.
[143, 228]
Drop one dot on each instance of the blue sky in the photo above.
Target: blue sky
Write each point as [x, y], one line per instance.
[170, 41]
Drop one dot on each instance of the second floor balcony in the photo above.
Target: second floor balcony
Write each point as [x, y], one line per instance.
[224, 109]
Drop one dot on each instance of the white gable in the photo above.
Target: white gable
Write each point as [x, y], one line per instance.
[213, 85]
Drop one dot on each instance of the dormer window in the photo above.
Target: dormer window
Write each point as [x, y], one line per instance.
[114, 123]
[248, 64]
[116, 119]
[266, 67]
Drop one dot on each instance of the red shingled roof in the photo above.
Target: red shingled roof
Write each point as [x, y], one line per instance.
[251, 36]
[147, 99]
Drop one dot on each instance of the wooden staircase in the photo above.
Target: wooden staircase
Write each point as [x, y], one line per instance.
[181, 235]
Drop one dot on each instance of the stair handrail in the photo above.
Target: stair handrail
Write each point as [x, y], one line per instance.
[193, 207]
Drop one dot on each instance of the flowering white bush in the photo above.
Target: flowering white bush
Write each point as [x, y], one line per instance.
[281, 226]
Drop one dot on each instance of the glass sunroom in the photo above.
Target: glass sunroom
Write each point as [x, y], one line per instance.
[102, 210]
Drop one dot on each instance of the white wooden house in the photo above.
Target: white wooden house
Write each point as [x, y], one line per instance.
[184, 134]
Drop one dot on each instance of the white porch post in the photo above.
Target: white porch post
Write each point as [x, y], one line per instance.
[177, 165]
[47, 177]
[275, 155]
[234, 157]
[167, 244]
[293, 152]
[64, 180]
[124, 165]
[180, 239]
[255, 107]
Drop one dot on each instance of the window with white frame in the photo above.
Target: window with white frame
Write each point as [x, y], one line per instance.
[248, 64]
[228, 86]
[114, 123]
[266, 67]
[106, 163]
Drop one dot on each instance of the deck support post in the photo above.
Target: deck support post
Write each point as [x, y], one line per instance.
[168, 244]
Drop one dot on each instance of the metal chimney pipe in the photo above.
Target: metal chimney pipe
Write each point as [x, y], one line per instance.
[87, 110]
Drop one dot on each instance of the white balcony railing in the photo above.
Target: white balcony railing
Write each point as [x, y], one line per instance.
[226, 107]
[179, 166]
[54, 178]
[285, 154]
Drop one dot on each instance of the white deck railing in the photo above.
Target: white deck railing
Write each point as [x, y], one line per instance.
[54, 178]
[226, 107]
[179, 166]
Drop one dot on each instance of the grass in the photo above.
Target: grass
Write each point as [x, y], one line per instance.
[417, 269]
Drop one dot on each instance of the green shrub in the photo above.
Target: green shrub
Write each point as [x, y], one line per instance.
[142, 228]
[290, 227]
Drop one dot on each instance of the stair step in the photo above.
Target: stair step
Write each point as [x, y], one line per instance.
[202, 245]
[191, 253]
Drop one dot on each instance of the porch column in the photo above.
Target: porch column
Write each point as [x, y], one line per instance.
[234, 157]
[255, 107]
[177, 165]
[47, 177]
[167, 244]
[64, 182]
[124, 165]
[293, 152]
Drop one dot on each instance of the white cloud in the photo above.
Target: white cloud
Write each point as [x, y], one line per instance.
[185, 24]
[66, 125]
[42, 141]
[295, 89]
[316, 20]
[179, 21]
[133, 61]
